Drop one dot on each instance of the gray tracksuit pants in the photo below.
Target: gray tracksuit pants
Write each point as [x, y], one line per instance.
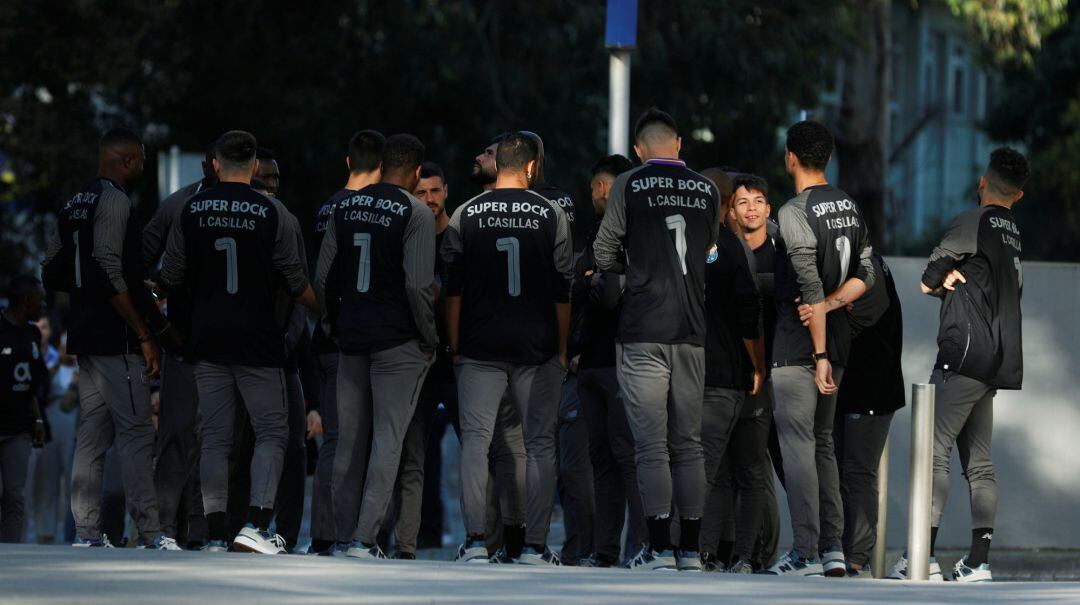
[322, 519]
[178, 447]
[611, 451]
[719, 414]
[860, 439]
[114, 396]
[384, 387]
[535, 392]
[964, 415]
[262, 391]
[662, 387]
[575, 476]
[14, 464]
[804, 424]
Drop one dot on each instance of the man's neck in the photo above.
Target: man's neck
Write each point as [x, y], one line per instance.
[235, 178]
[989, 201]
[805, 179]
[441, 222]
[511, 180]
[756, 238]
[15, 316]
[357, 182]
[116, 179]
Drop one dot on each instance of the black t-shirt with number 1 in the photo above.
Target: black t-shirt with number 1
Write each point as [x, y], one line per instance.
[508, 255]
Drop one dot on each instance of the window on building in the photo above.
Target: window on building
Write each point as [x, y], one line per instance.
[958, 90]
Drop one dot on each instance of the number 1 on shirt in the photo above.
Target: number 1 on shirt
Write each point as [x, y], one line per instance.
[843, 246]
[512, 247]
[78, 261]
[677, 223]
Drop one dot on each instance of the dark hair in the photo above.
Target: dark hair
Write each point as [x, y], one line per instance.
[265, 153]
[365, 151]
[612, 164]
[21, 287]
[402, 151]
[258, 185]
[515, 151]
[751, 182]
[497, 139]
[431, 169]
[811, 142]
[721, 180]
[235, 149]
[1008, 171]
[654, 117]
[119, 135]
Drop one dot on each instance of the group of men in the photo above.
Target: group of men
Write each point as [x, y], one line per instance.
[703, 344]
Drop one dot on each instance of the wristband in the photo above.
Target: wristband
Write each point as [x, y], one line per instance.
[822, 356]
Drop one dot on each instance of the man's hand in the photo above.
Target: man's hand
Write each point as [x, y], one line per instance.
[759, 381]
[39, 434]
[574, 364]
[152, 356]
[314, 424]
[806, 312]
[563, 361]
[950, 280]
[823, 377]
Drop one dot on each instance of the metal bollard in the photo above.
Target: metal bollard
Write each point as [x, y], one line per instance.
[877, 558]
[922, 480]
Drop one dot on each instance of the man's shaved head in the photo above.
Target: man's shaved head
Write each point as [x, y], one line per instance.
[121, 156]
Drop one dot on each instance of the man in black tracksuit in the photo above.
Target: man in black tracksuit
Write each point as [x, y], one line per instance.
[976, 271]
[611, 445]
[872, 390]
[734, 367]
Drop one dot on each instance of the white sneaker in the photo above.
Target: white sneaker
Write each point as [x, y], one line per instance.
[688, 560]
[253, 540]
[215, 546]
[648, 560]
[792, 565]
[162, 542]
[962, 573]
[472, 551]
[359, 550]
[531, 556]
[102, 542]
[899, 570]
[833, 563]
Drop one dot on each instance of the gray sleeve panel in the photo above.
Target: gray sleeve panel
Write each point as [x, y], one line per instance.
[960, 242]
[54, 246]
[156, 232]
[453, 251]
[286, 258]
[419, 252]
[613, 227]
[866, 272]
[174, 265]
[110, 222]
[801, 248]
[327, 256]
[563, 251]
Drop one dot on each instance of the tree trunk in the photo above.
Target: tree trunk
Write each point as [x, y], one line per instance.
[863, 129]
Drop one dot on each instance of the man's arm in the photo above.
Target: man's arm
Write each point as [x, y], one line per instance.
[563, 258]
[961, 242]
[452, 253]
[286, 260]
[802, 251]
[174, 263]
[54, 275]
[612, 229]
[110, 223]
[420, 273]
[749, 312]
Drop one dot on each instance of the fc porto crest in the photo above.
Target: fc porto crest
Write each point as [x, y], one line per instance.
[713, 255]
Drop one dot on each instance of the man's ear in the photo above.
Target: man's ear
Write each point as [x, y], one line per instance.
[678, 144]
[255, 168]
[348, 164]
[216, 165]
[637, 152]
[1019, 194]
[768, 209]
[417, 174]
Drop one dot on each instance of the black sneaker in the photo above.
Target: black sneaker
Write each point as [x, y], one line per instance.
[709, 562]
[501, 558]
[404, 556]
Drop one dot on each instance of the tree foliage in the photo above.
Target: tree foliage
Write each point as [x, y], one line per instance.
[304, 76]
[1011, 30]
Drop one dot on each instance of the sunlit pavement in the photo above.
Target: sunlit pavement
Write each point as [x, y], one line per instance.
[61, 574]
